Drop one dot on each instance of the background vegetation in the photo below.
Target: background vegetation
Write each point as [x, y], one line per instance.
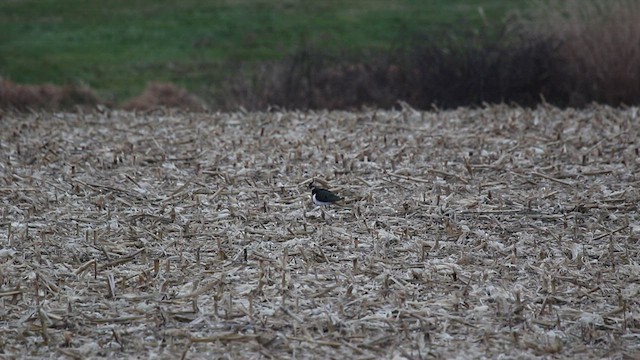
[330, 54]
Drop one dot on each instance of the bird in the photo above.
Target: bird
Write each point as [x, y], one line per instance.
[321, 196]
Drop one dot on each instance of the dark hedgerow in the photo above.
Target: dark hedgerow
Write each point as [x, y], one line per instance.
[568, 53]
[426, 75]
[509, 72]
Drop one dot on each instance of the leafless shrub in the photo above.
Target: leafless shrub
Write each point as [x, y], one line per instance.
[598, 42]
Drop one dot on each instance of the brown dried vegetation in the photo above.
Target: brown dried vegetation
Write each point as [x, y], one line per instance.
[164, 95]
[597, 44]
[47, 96]
[464, 233]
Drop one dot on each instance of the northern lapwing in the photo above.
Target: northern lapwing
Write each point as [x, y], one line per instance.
[321, 196]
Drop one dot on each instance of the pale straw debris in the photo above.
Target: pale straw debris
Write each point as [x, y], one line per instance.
[500, 232]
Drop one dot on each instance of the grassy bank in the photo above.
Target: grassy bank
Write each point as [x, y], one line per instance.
[119, 46]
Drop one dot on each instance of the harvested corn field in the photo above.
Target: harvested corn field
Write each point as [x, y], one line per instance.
[466, 233]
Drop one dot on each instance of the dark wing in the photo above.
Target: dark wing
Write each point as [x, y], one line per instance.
[325, 195]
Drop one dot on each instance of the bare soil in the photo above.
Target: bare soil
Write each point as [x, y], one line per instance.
[497, 232]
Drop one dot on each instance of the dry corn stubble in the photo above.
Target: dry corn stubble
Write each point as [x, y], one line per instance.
[463, 233]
